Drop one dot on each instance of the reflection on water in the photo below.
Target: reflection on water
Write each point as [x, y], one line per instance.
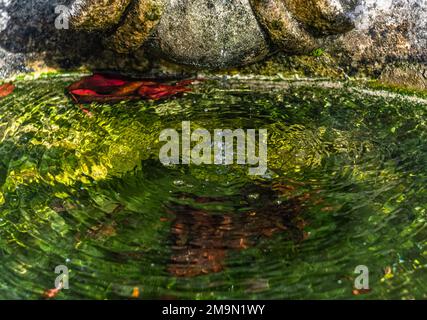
[201, 238]
[345, 186]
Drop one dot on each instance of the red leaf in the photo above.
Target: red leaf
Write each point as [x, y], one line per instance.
[97, 82]
[105, 81]
[87, 97]
[186, 82]
[84, 92]
[107, 88]
[357, 292]
[128, 89]
[161, 91]
[6, 89]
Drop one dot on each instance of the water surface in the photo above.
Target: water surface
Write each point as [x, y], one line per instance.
[346, 186]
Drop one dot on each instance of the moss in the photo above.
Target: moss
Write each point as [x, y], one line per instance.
[276, 25]
[401, 89]
[135, 28]
[323, 65]
[95, 15]
[153, 13]
[317, 52]
[410, 76]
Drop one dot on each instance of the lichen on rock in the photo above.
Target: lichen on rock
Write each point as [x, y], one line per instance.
[97, 14]
[409, 76]
[136, 27]
[321, 16]
[282, 28]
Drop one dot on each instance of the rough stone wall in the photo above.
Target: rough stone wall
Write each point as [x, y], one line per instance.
[29, 41]
[386, 31]
[388, 34]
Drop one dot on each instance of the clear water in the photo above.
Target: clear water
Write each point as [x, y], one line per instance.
[346, 186]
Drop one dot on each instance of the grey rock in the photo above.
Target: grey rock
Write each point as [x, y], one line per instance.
[213, 34]
[30, 41]
[207, 33]
[387, 32]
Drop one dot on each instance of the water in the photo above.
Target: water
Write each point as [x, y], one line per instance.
[346, 186]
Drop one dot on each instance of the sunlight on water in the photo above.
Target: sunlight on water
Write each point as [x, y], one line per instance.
[345, 186]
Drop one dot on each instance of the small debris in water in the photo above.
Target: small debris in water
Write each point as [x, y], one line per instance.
[135, 292]
[86, 111]
[357, 292]
[51, 293]
[103, 231]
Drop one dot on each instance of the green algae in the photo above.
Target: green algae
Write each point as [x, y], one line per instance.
[400, 89]
[319, 64]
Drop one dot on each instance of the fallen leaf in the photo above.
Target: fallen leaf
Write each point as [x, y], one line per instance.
[161, 91]
[109, 88]
[6, 89]
[98, 82]
[202, 239]
[84, 92]
[83, 96]
[128, 89]
[102, 231]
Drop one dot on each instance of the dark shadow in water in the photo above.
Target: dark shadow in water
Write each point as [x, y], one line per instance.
[202, 239]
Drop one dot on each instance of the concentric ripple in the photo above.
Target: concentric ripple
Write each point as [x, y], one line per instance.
[346, 186]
